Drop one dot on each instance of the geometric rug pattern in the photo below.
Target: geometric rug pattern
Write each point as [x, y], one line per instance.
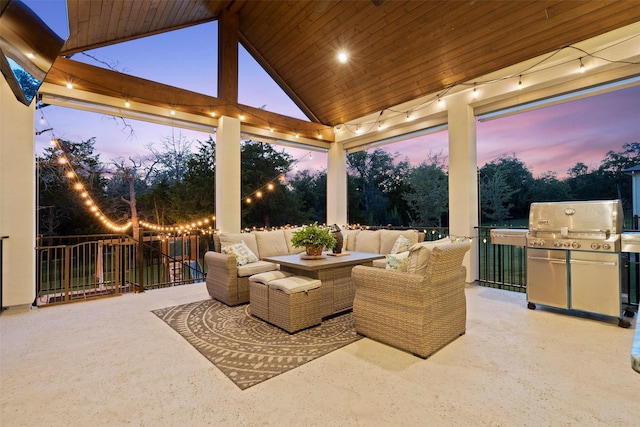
[248, 350]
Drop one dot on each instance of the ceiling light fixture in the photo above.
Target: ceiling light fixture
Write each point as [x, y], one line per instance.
[343, 57]
[475, 91]
[520, 81]
[581, 66]
[127, 104]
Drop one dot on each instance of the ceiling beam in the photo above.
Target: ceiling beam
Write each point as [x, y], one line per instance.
[228, 27]
[101, 81]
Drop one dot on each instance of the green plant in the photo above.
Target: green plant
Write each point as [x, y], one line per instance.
[313, 235]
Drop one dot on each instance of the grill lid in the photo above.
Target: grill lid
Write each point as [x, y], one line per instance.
[599, 219]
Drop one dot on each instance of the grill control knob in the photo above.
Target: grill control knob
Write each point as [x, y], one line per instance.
[575, 245]
[606, 246]
[557, 244]
[595, 246]
[566, 244]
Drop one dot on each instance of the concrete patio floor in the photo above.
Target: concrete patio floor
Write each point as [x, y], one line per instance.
[113, 362]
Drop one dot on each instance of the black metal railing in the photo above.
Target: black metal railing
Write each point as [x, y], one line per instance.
[84, 267]
[500, 266]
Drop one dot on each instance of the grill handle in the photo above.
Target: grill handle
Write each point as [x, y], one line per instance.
[608, 263]
[551, 260]
[606, 232]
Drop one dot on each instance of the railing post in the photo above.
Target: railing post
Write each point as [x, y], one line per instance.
[140, 284]
[1, 239]
[67, 273]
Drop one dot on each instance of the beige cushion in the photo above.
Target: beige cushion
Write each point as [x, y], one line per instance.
[380, 263]
[288, 234]
[271, 243]
[294, 284]
[420, 253]
[368, 241]
[265, 278]
[349, 239]
[228, 239]
[256, 267]
[388, 238]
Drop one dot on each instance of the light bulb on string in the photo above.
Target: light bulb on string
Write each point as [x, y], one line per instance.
[520, 81]
[475, 91]
[581, 66]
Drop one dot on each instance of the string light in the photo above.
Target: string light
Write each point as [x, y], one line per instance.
[127, 104]
[440, 96]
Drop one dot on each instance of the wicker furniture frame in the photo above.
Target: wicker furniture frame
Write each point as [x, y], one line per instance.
[291, 312]
[337, 290]
[418, 314]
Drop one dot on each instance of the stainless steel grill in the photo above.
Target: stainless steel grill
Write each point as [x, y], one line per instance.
[573, 257]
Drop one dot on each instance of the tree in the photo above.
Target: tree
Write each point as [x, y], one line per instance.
[517, 177]
[615, 162]
[373, 176]
[61, 207]
[310, 192]
[261, 165]
[171, 162]
[548, 188]
[428, 193]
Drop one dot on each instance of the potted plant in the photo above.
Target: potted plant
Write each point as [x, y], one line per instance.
[314, 238]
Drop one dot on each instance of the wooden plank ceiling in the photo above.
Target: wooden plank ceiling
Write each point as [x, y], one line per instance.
[399, 50]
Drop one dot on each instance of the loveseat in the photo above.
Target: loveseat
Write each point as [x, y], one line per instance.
[228, 273]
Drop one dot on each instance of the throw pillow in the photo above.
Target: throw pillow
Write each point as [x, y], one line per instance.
[402, 244]
[398, 262]
[241, 251]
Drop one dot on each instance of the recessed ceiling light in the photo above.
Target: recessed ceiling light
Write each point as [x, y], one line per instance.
[343, 57]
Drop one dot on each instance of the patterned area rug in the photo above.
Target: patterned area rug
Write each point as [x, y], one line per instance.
[248, 350]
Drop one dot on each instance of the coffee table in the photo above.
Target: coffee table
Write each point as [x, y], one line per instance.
[337, 291]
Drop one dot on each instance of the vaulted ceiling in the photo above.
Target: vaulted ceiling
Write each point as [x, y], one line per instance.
[399, 50]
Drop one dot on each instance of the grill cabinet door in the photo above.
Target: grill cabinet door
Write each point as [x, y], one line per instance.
[595, 282]
[547, 277]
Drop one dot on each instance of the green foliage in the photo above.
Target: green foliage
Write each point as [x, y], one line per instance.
[313, 235]
[428, 193]
[60, 209]
[495, 196]
[176, 186]
[517, 178]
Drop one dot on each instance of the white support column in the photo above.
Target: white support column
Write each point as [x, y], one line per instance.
[463, 177]
[228, 203]
[337, 185]
[17, 199]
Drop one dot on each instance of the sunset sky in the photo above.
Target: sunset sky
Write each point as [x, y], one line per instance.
[549, 139]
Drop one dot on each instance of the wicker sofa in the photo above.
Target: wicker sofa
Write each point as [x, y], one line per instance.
[419, 311]
[229, 283]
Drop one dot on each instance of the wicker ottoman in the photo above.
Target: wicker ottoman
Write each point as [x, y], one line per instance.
[294, 303]
[259, 292]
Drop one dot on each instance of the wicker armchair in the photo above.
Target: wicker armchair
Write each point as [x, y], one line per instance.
[418, 314]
